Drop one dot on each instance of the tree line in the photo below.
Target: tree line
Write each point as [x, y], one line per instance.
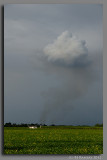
[22, 124]
[38, 125]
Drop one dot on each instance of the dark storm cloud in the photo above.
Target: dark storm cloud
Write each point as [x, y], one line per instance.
[46, 86]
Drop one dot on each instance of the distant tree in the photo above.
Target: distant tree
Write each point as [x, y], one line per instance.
[99, 125]
[8, 124]
[14, 125]
[52, 124]
[23, 125]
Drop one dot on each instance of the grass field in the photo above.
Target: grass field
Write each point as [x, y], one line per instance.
[53, 140]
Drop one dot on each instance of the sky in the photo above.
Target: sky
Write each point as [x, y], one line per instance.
[53, 68]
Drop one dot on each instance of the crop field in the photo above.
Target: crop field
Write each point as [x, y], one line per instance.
[53, 140]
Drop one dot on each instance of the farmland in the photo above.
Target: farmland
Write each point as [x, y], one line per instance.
[53, 140]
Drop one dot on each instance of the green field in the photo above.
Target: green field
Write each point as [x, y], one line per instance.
[53, 140]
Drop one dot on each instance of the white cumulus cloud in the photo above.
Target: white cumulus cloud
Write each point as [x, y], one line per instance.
[66, 49]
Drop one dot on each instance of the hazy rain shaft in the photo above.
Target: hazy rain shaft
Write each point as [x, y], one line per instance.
[68, 57]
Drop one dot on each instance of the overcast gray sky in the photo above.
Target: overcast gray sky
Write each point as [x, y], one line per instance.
[53, 64]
